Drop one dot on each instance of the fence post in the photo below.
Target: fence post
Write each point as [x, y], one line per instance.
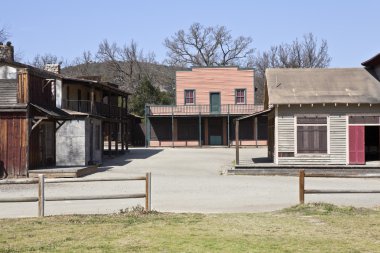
[302, 186]
[148, 182]
[41, 195]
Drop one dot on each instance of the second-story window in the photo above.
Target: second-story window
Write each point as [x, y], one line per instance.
[189, 97]
[240, 96]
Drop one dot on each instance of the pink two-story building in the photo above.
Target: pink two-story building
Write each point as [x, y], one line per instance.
[208, 99]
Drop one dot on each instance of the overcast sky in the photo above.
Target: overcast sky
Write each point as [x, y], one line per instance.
[65, 28]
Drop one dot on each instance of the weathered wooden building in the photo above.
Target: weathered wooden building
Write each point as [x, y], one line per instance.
[28, 115]
[208, 99]
[47, 119]
[99, 110]
[324, 116]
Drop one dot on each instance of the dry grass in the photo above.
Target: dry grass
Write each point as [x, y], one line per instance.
[308, 228]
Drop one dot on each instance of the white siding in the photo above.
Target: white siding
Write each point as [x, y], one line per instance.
[337, 134]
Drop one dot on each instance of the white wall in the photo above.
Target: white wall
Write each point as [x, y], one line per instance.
[70, 144]
[7, 72]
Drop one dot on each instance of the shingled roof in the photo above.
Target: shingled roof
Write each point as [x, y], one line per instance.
[314, 86]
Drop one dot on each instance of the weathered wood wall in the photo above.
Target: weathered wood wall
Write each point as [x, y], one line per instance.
[40, 92]
[223, 80]
[14, 143]
[8, 91]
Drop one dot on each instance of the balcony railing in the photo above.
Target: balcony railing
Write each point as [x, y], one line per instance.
[229, 109]
[99, 109]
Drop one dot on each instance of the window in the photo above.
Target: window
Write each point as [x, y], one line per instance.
[240, 96]
[312, 135]
[189, 97]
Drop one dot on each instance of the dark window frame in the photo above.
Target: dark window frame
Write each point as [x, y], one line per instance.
[315, 129]
[244, 98]
[185, 97]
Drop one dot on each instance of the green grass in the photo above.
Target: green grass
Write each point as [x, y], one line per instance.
[306, 228]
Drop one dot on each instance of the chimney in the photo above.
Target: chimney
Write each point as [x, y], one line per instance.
[6, 52]
[55, 68]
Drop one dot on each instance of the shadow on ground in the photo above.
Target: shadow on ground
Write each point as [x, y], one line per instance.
[132, 154]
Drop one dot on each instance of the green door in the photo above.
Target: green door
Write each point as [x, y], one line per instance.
[215, 102]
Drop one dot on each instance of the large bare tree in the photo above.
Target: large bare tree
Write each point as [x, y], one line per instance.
[131, 65]
[306, 53]
[3, 34]
[207, 46]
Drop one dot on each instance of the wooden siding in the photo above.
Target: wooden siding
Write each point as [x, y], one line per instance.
[42, 145]
[206, 80]
[40, 91]
[14, 143]
[8, 91]
[337, 131]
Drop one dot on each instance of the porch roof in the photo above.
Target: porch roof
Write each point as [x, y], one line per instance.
[54, 113]
[313, 86]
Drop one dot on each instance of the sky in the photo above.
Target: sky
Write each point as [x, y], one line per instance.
[68, 27]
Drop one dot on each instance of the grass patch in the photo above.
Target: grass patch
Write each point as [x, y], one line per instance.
[305, 228]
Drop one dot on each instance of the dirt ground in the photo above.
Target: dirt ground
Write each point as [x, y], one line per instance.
[188, 180]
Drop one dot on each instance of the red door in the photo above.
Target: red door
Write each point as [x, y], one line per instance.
[356, 148]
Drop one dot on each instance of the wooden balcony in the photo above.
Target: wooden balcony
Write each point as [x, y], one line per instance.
[99, 109]
[183, 110]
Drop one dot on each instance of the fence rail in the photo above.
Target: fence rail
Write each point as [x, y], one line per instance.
[303, 191]
[41, 199]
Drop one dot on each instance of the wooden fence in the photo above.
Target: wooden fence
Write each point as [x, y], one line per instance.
[303, 191]
[41, 199]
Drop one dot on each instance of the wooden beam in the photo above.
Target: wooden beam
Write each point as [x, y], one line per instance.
[59, 125]
[302, 186]
[237, 141]
[36, 124]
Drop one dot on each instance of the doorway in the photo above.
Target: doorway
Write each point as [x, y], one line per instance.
[214, 102]
[372, 145]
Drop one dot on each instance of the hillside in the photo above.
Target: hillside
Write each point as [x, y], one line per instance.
[161, 76]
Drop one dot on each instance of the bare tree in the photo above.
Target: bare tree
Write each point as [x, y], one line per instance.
[4, 35]
[128, 63]
[83, 64]
[40, 61]
[207, 46]
[307, 53]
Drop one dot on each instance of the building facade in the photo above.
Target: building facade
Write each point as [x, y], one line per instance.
[48, 120]
[323, 116]
[208, 99]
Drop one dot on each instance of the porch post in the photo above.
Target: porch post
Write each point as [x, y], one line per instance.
[146, 127]
[121, 124]
[172, 128]
[237, 141]
[255, 129]
[117, 138]
[200, 129]
[92, 97]
[228, 125]
[109, 138]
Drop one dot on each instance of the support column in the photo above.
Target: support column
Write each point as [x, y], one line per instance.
[206, 131]
[224, 126]
[255, 130]
[237, 141]
[117, 138]
[200, 130]
[92, 103]
[175, 129]
[228, 126]
[109, 139]
[172, 128]
[122, 136]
